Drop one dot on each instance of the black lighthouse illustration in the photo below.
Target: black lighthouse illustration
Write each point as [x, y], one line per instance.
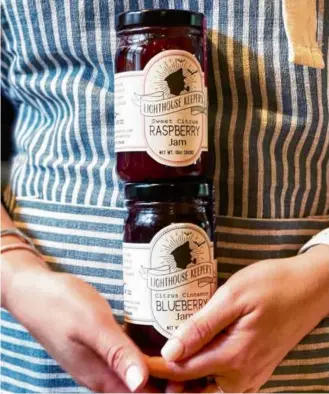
[183, 255]
[176, 82]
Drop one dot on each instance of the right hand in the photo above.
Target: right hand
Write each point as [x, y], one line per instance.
[75, 325]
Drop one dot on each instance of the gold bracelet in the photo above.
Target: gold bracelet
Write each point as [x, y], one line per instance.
[18, 233]
[17, 246]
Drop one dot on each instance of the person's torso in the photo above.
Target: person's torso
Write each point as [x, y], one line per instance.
[268, 130]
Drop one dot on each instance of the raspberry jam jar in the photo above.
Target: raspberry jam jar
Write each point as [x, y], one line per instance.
[168, 264]
[161, 95]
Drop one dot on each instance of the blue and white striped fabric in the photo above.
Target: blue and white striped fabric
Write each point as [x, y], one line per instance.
[58, 62]
[269, 129]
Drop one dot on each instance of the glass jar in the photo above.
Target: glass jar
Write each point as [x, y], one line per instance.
[161, 95]
[168, 264]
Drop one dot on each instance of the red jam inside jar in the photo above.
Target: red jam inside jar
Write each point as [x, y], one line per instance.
[161, 96]
[168, 264]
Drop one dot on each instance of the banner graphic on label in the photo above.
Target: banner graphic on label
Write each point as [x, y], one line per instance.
[163, 279]
[155, 104]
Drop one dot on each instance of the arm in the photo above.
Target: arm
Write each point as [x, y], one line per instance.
[70, 319]
[15, 261]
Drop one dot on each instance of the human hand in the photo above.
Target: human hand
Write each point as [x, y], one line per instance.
[74, 324]
[250, 324]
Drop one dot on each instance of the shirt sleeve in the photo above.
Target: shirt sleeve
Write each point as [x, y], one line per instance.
[322, 238]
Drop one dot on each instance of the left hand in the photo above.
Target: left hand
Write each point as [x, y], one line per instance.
[250, 324]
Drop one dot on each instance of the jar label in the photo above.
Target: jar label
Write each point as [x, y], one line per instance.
[168, 280]
[162, 110]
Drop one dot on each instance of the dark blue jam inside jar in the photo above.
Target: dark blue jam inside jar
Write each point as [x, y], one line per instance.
[161, 96]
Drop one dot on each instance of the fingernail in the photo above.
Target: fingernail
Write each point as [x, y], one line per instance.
[134, 377]
[172, 349]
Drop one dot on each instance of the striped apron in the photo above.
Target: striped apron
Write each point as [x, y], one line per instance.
[268, 123]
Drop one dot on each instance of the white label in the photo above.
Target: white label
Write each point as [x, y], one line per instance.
[162, 110]
[170, 279]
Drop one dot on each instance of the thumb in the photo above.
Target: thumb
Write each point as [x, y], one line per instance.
[120, 354]
[220, 311]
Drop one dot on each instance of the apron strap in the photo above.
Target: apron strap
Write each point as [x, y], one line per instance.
[300, 21]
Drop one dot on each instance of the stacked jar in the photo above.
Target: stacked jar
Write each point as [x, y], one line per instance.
[161, 143]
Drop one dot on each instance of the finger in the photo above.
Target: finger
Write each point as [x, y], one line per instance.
[211, 360]
[90, 370]
[124, 358]
[180, 372]
[195, 333]
[119, 352]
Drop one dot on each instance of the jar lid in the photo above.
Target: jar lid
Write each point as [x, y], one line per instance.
[161, 17]
[155, 192]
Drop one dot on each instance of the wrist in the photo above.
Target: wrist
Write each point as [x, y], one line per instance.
[10, 239]
[314, 268]
[15, 265]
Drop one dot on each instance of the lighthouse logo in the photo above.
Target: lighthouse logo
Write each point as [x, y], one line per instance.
[183, 256]
[175, 76]
[173, 83]
[176, 82]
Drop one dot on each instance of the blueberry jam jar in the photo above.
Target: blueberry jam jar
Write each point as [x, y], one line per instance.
[161, 117]
[168, 264]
